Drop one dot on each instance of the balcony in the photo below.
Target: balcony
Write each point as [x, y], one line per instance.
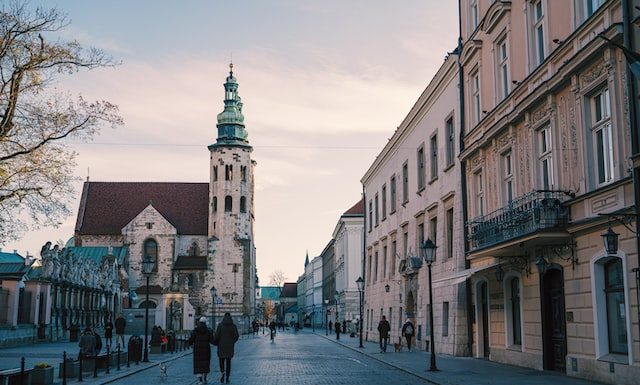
[537, 212]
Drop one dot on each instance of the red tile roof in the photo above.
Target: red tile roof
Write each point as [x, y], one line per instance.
[356, 210]
[106, 207]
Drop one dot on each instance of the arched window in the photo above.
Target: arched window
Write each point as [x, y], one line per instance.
[228, 203]
[151, 250]
[214, 204]
[215, 173]
[243, 204]
[614, 292]
[149, 304]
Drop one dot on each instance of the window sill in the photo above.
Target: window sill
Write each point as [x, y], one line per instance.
[433, 180]
[515, 348]
[383, 218]
[392, 212]
[449, 167]
[420, 190]
[615, 358]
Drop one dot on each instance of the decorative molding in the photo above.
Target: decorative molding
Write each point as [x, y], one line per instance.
[477, 162]
[590, 76]
[496, 12]
[469, 50]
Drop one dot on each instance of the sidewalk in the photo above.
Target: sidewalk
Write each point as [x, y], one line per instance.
[456, 370]
[51, 353]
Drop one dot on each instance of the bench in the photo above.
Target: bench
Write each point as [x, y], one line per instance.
[12, 376]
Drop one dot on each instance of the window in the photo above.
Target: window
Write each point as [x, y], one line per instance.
[445, 319]
[384, 262]
[450, 149]
[370, 215]
[434, 157]
[377, 211]
[392, 197]
[215, 173]
[384, 202]
[243, 204]
[545, 158]
[228, 203]
[433, 229]
[228, 172]
[149, 225]
[421, 171]
[214, 204]
[513, 313]
[602, 136]
[507, 177]
[479, 187]
[474, 15]
[400, 323]
[503, 69]
[592, 6]
[420, 235]
[616, 306]
[475, 97]
[151, 250]
[405, 182]
[393, 257]
[449, 224]
[405, 245]
[243, 172]
[538, 31]
[375, 267]
[369, 270]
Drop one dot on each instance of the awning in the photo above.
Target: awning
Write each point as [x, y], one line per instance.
[461, 276]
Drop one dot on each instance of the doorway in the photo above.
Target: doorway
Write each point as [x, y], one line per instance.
[484, 317]
[554, 326]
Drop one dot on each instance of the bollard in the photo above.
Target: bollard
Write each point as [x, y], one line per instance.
[22, 371]
[127, 357]
[64, 367]
[108, 359]
[80, 367]
[118, 358]
[95, 365]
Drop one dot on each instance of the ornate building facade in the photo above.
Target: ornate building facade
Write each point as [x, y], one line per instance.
[200, 235]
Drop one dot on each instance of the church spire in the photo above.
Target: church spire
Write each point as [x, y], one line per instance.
[231, 129]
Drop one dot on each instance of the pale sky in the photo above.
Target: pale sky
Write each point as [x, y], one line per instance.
[324, 84]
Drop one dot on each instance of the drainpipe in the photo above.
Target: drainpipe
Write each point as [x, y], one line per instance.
[364, 255]
[634, 126]
[463, 185]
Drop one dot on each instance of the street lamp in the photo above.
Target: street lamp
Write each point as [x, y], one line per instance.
[360, 283]
[326, 317]
[610, 241]
[147, 269]
[428, 250]
[213, 307]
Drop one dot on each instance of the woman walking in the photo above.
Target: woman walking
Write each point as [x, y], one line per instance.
[226, 337]
[201, 338]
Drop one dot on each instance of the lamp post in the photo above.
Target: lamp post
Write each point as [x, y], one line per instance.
[360, 283]
[428, 249]
[610, 241]
[313, 318]
[213, 307]
[147, 269]
[326, 317]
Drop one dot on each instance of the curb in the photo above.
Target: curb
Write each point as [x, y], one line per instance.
[411, 372]
[141, 369]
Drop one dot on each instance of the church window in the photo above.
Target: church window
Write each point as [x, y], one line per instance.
[151, 250]
[215, 173]
[243, 204]
[214, 204]
[194, 250]
[243, 172]
[228, 203]
[190, 281]
[149, 225]
[228, 172]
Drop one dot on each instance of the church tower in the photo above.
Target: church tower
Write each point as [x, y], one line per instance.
[231, 212]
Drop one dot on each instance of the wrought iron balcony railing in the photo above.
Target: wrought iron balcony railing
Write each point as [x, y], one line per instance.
[538, 210]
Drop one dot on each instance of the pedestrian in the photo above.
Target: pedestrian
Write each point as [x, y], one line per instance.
[121, 323]
[272, 330]
[87, 344]
[383, 330]
[226, 337]
[108, 332]
[330, 325]
[344, 326]
[201, 338]
[408, 331]
[98, 342]
[338, 329]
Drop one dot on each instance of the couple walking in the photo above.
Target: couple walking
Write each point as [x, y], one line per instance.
[225, 338]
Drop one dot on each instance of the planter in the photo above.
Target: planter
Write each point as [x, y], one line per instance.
[42, 376]
[72, 369]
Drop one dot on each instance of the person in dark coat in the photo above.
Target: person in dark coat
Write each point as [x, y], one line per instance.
[338, 329]
[121, 323]
[108, 332]
[98, 342]
[383, 329]
[87, 343]
[226, 337]
[201, 338]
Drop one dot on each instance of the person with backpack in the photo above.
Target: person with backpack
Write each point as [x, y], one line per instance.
[408, 331]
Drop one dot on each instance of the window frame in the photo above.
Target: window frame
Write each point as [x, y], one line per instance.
[545, 156]
[476, 99]
[450, 149]
[449, 217]
[478, 185]
[508, 183]
[502, 68]
[376, 206]
[393, 194]
[538, 32]
[405, 182]
[383, 201]
[421, 169]
[433, 158]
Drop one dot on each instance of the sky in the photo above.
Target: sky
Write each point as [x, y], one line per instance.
[324, 84]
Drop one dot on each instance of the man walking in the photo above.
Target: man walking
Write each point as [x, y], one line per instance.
[121, 323]
[408, 332]
[338, 329]
[383, 330]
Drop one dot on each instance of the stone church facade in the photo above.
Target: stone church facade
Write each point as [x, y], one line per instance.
[200, 235]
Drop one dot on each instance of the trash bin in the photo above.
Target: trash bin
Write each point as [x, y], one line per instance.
[74, 331]
[171, 342]
[134, 348]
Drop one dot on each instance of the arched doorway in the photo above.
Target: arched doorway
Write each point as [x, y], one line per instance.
[554, 340]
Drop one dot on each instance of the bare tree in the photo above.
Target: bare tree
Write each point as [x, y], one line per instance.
[277, 278]
[37, 119]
